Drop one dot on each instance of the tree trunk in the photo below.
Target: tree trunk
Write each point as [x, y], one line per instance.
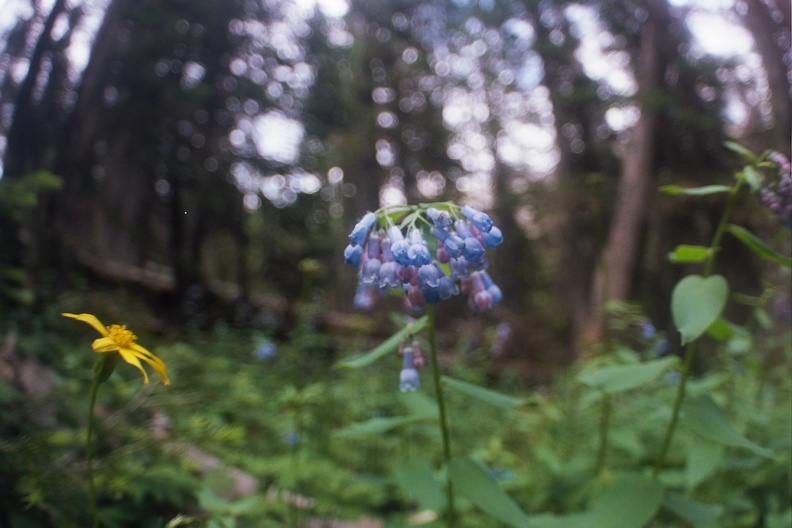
[615, 274]
[769, 23]
[22, 141]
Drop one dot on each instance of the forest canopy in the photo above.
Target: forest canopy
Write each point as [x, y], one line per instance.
[214, 145]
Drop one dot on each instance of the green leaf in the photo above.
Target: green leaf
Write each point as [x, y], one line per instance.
[573, 520]
[685, 254]
[472, 481]
[625, 377]
[695, 191]
[752, 177]
[746, 154]
[409, 219]
[386, 347]
[629, 502]
[376, 426]
[416, 479]
[696, 303]
[703, 457]
[490, 397]
[723, 330]
[758, 246]
[703, 416]
[701, 515]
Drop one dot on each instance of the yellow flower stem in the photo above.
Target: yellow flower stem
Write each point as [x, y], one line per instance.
[89, 453]
[450, 517]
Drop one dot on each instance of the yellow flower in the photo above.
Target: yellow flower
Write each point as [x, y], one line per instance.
[116, 338]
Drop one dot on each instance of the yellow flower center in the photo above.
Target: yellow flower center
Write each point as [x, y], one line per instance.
[120, 335]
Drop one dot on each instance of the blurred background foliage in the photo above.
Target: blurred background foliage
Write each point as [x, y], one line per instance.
[169, 164]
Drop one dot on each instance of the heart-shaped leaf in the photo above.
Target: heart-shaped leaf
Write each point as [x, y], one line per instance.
[696, 303]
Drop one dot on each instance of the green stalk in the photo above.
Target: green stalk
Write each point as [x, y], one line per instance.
[443, 420]
[602, 453]
[680, 395]
[89, 453]
[294, 462]
[722, 225]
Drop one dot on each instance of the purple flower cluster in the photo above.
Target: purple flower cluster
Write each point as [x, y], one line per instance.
[452, 260]
[778, 197]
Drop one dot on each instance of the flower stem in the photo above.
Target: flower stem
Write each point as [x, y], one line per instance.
[722, 224]
[602, 453]
[669, 434]
[443, 420]
[89, 453]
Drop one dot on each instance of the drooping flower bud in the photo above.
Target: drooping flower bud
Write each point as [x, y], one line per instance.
[361, 230]
[481, 220]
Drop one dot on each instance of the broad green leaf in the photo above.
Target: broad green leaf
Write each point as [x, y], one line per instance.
[695, 191]
[696, 303]
[701, 515]
[703, 457]
[388, 346]
[473, 482]
[629, 502]
[490, 397]
[625, 377]
[416, 479]
[703, 416]
[685, 254]
[758, 246]
[742, 151]
[376, 426]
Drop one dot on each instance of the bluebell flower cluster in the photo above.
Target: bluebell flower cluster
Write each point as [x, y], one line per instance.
[439, 253]
[777, 196]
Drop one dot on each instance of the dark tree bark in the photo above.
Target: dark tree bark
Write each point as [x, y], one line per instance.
[769, 23]
[23, 144]
[577, 115]
[615, 277]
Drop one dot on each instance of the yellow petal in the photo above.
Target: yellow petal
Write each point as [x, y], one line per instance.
[129, 356]
[89, 319]
[104, 344]
[156, 363]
